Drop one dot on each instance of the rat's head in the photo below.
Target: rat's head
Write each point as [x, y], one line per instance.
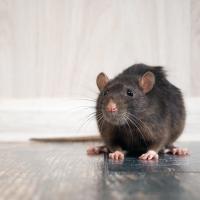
[123, 98]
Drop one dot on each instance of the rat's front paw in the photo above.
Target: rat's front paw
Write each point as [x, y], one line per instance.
[93, 151]
[117, 155]
[97, 150]
[149, 155]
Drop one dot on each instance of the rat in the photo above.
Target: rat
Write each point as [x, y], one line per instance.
[139, 112]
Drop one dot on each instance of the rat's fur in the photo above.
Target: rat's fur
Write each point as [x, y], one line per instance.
[144, 121]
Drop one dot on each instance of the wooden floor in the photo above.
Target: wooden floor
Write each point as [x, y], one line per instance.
[63, 171]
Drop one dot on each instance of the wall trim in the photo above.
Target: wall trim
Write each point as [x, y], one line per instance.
[21, 120]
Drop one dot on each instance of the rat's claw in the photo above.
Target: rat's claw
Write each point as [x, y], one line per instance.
[93, 151]
[180, 151]
[117, 155]
[149, 155]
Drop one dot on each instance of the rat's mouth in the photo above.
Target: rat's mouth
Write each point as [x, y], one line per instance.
[115, 118]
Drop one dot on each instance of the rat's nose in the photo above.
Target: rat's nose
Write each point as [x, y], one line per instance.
[111, 106]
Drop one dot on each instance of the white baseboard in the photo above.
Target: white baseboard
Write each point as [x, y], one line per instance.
[24, 119]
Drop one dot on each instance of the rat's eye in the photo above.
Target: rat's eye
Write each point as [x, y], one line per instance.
[105, 92]
[129, 92]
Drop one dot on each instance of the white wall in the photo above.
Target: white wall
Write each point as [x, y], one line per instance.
[55, 48]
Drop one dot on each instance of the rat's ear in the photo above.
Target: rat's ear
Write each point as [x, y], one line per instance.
[147, 81]
[102, 80]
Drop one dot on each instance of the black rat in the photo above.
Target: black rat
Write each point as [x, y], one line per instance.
[139, 112]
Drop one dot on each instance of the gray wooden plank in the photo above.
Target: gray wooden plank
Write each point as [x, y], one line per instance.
[48, 171]
[152, 186]
[64, 171]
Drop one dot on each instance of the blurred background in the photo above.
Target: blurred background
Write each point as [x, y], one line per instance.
[51, 52]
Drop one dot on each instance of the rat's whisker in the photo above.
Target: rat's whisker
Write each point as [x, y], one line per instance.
[132, 130]
[142, 124]
[99, 117]
[78, 108]
[101, 121]
[101, 124]
[138, 127]
[89, 107]
[87, 120]
[87, 99]
[129, 128]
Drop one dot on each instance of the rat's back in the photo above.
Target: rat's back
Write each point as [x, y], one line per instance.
[169, 99]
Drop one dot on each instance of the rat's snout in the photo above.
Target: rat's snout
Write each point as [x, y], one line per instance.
[111, 106]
